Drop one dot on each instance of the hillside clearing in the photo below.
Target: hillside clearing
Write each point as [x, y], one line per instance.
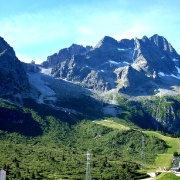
[167, 176]
[112, 124]
[173, 145]
[162, 160]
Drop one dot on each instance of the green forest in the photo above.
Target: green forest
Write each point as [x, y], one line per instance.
[40, 143]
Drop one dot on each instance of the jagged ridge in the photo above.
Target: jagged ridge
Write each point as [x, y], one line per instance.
[150, 60]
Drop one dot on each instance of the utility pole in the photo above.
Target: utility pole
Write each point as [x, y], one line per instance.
[143, 159]
[88, 172]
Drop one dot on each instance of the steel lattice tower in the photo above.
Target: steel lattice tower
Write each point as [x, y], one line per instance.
[143, 158]
[88, 172]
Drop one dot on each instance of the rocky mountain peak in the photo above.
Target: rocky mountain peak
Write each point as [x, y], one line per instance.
[65, 53]
[162, 43]
[75, 49]
[145, 38]
[126, 43]
[4, 46]
[106, 40]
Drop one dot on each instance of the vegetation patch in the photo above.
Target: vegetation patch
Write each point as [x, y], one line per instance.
[162, 160]
[167, 176]
[58, 148]
[112, 124]
[165, 159]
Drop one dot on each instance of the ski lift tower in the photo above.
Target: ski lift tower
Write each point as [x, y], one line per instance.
[88, 172]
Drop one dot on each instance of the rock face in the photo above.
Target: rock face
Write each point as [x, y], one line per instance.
[13, 78]
[154, 56]
[64, 54]
[136, 66]
[30, 67]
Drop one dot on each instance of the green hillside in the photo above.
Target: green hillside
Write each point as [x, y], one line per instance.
[167, 176]
[155, 113]
[173, 144]
[162, 160]
[50, 145]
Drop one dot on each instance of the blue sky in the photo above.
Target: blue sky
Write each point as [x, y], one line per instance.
[37, 29]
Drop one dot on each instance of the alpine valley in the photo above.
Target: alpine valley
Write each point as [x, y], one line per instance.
[108, 100]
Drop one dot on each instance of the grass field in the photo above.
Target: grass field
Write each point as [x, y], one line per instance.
[167, 176]
[162, 160]
[112, 124]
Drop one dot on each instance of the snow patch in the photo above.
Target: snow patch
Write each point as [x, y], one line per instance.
[120, 64]
[113, 62]
[46, 93]
[178, 69]
[175, 59]
[172, 75]
[177, 77]
[126, 62]
[120, 49]
[161, 74]
[134, 50]
[102, 70]
[163, 57]
[46, 71]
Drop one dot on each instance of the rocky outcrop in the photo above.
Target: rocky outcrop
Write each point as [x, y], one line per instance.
[132, 79]
[64, 54]
[12, 74]
[151, 58]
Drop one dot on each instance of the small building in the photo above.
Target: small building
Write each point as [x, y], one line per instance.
[2, 174]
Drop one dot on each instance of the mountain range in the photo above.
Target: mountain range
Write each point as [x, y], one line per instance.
[92, 81]
[134, 67]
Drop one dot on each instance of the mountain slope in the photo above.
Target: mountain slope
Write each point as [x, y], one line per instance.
[47, 136]
[172, 143]
[89, 82]
[13, 79]
[72, 99]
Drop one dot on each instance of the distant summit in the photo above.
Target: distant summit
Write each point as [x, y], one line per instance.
[65, 53]
[107, 41]
[135, 66]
